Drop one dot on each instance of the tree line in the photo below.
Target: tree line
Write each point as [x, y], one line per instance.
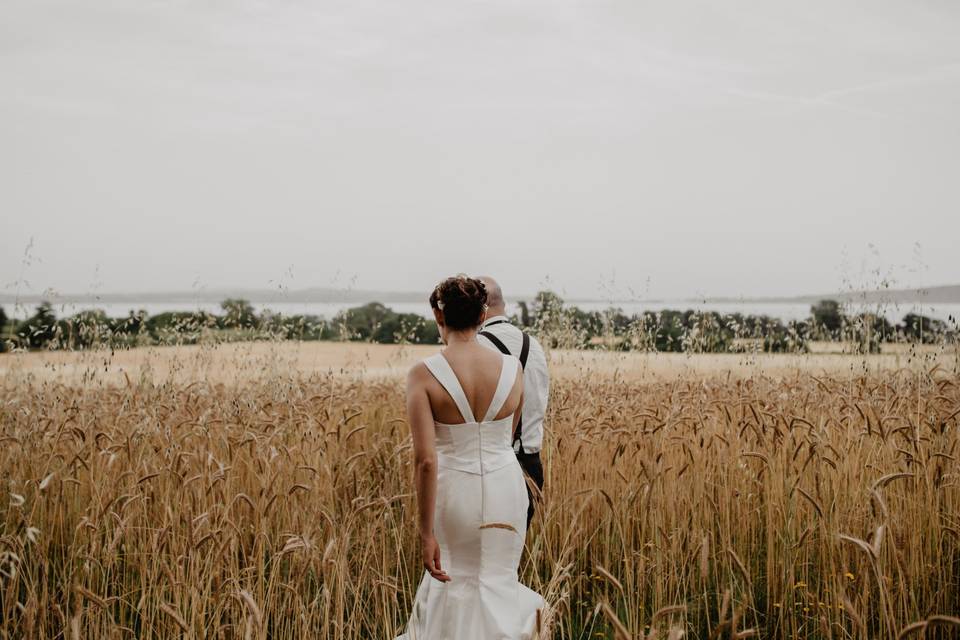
[237, 321]
[557, 324]
[695, 331]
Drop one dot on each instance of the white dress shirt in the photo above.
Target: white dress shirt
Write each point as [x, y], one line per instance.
[536, 380]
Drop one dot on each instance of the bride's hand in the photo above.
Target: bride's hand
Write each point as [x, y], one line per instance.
[431, 558]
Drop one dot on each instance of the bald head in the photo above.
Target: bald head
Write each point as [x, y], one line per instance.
[495, 303]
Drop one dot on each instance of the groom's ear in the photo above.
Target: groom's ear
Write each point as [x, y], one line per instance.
[438, 316]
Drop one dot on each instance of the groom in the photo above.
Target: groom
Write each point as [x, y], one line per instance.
[498, 333]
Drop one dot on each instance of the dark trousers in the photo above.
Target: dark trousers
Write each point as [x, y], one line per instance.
[530, 463]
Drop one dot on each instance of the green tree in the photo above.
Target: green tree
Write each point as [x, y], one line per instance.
[920, 328]
[704, 332]
[361, 323]
[375, 322]
[86, 329]
[179, 327]
[131, 330]
[3, 330]
[40, 329]
[555, 325]
[524, 318]
[296, 327]
[133, 324]
[827, 317]
[408, 327]
[238, 314]
[546, 304]
[765, 333]
[868, 331]
[665, 330]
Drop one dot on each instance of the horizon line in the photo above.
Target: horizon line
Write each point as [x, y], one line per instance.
[350, 295]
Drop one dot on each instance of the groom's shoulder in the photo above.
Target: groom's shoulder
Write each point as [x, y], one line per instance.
[536, 347]
[503, 328]
[507, 332]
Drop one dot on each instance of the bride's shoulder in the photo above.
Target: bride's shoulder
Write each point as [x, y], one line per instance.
[419, 371]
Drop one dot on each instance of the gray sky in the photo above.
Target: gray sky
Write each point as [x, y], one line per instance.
[669, 148]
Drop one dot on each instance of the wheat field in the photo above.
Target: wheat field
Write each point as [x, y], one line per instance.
[264, 491]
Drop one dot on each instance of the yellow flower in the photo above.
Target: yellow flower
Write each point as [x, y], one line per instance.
[848, 575]
[799, 584]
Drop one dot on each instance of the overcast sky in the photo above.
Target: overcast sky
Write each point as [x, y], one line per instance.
[664, 148]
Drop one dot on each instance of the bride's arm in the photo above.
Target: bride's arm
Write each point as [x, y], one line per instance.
[425, 467]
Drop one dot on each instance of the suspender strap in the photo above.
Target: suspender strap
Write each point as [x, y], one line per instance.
[498, 322]
[519, 430]
[497, 343]
[502, 348]
[524, 352]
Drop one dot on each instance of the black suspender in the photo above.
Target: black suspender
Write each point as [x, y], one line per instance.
[524, 352]
[502, 348]
[496, 342]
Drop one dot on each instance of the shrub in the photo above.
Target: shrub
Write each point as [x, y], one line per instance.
[375, 322]
[40, 329]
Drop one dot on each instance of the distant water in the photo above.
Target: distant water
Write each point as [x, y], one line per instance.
[327, 310]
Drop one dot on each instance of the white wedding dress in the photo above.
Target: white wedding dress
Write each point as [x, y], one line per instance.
[480, 523]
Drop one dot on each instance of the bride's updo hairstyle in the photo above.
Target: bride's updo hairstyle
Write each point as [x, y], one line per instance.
[462, 300]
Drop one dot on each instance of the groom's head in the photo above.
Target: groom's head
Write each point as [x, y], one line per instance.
[495, 303]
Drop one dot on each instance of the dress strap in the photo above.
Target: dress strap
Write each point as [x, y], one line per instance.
[508, 375]
[443, 372]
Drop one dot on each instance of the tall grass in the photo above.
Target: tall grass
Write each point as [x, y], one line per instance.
[281, 506]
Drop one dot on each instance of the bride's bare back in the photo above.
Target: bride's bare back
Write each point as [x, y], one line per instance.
[478, 370]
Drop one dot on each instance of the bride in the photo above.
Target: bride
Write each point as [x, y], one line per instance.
[471, 493]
